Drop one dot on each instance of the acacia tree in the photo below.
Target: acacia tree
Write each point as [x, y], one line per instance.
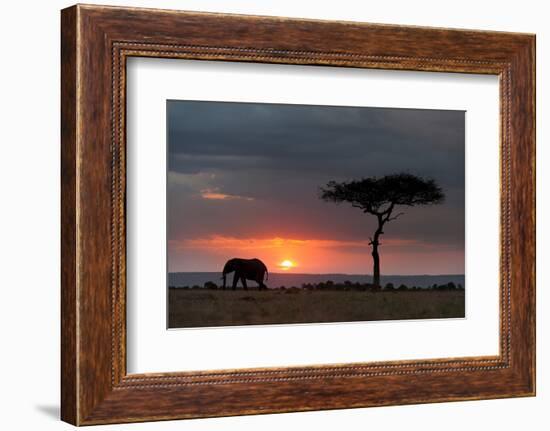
[379, 197]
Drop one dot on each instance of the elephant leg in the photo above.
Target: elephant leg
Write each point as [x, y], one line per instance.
[244, 283]
[260, 281]
[235, 280]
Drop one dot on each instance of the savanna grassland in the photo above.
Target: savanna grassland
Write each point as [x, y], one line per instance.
[206, 307]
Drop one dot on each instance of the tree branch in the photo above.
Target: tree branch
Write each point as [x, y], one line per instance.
[394, 217]
[389, 209]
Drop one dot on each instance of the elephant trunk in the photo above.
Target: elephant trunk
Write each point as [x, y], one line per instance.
[227, 268]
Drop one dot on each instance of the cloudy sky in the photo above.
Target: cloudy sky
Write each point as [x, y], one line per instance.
[244, 180]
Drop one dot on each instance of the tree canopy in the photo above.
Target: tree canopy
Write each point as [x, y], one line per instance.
[379, 195]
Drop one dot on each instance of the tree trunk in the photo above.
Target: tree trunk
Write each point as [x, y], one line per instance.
[375, 256]
[376, 268]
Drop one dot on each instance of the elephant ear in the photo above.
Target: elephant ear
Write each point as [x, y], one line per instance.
[233, 264]
[228, 267]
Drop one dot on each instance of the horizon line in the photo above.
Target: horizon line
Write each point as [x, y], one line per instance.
[320, 273]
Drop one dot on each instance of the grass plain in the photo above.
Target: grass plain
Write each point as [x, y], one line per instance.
[206, 308]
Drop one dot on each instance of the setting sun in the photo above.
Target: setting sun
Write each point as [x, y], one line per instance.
[286, 264]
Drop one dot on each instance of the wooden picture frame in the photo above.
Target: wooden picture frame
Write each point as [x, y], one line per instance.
[95, 43]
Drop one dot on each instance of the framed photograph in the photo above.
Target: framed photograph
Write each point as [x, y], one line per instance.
[264, 214]
[249, 179]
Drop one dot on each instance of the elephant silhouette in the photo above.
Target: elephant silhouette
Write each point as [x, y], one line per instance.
[245, 269]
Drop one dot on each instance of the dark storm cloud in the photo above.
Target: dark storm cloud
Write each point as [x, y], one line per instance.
[277, 156]
[341, 140]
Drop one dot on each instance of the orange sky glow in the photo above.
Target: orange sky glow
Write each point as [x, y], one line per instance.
[317, 255]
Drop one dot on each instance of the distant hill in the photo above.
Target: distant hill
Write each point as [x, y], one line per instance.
[179, 279]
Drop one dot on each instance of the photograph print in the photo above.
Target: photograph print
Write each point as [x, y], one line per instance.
[295, 214]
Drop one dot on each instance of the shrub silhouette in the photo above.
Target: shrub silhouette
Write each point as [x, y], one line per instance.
[210, 285]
